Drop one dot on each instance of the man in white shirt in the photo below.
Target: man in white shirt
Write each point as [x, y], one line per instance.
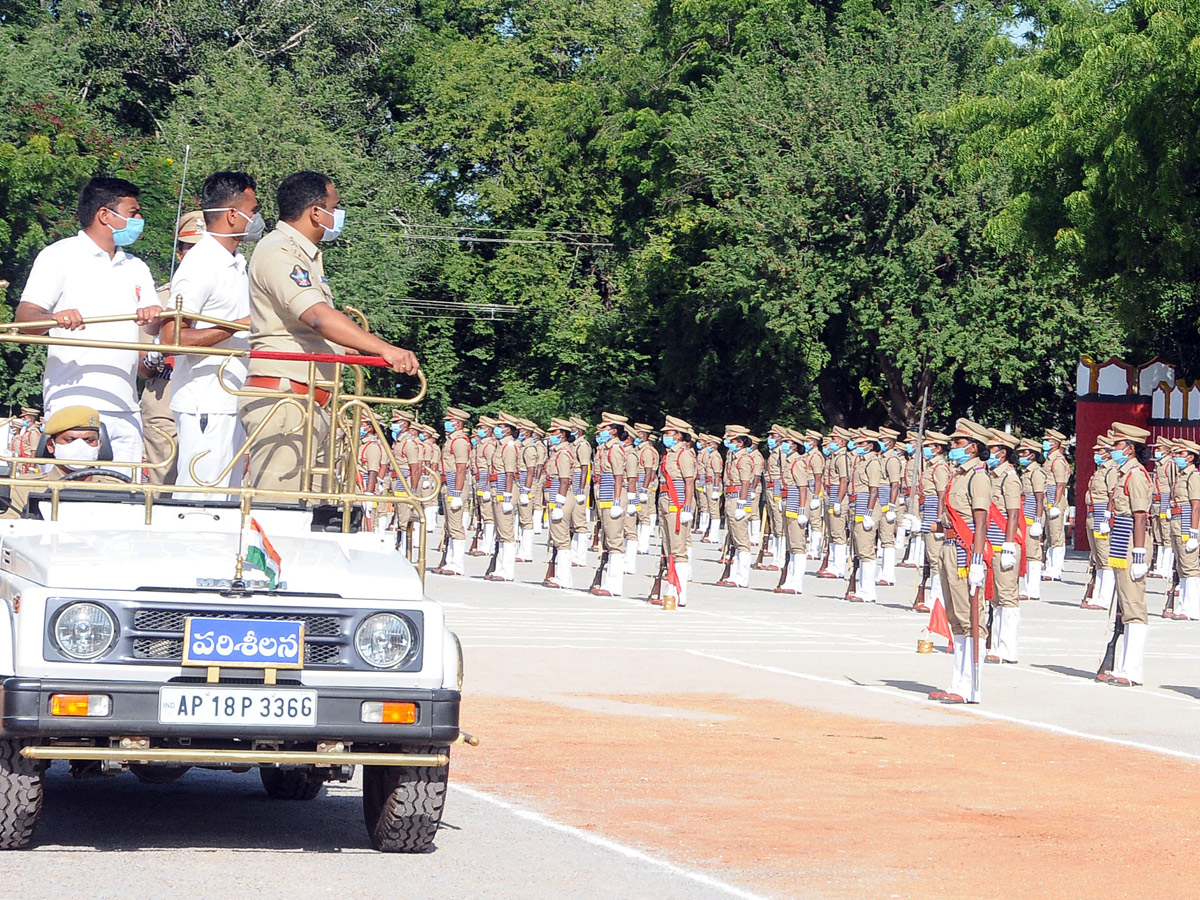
[212, 281]
[90, 275]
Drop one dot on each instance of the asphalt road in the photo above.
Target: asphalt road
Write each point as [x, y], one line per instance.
[217, 834]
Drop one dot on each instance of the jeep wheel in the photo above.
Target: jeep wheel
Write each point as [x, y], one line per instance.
[20, 795]
[158, 774]
[290, 784]
[402, 805]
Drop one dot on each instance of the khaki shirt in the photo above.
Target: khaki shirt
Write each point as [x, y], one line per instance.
[680, 463]
[970, 490]
[19, 494]
[1006, 488]
[1060, 473]
[561, 466]
[1134, 490]
[868, 474]
[456, 451]
[287, 277]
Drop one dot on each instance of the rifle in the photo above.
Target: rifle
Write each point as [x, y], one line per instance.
[597, 532]
[655, 596]
[552, 566]
[474, 548]
[445, 546]
[1091, 586]
[495, 557]
[599, 571]
[762, 539]
[852, 584]
[975, 662]
[1170, 605]
[824, 567]
[919, 603]
[727, 556]
[783, 571]
[1110, 651]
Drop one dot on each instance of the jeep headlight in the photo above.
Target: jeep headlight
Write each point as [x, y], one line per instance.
[84, 630]
[384, 640]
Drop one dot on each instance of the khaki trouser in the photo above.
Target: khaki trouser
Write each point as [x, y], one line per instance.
[675, 543]
[739, 531]
[816, 517]
[864, 541]
[613, 529]
[560, 531]
[1132, 594]
[484, 506]
[774, 514]
[1033, 546]
[646, 510]
[455, 527]
[1186, 564]
[631, 522]
[1056, 534]
[579, 522]
[524, 510]
[958, 596]
[156, 415]
[797, 534]
[505, 521]
[1005, 590]
[838, 528]
[1158, 525]
[1098, 555]
[887, 530]
[933, 553]
[277, 455]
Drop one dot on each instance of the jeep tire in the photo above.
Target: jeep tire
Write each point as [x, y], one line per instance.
[20, 795]
[290, 784]
[402, 805]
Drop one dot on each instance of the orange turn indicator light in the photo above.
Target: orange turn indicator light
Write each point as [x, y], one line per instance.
[399, 713]
[80, 705]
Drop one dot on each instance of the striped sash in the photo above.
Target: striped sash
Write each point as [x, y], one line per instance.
[885, 495]
[929, 509]
[1119, 541]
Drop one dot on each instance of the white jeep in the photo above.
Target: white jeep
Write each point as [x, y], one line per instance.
[132, 638]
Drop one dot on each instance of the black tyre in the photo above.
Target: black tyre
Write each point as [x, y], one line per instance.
[20, 795]
[402, 805]
[158, 774]
[291, 784]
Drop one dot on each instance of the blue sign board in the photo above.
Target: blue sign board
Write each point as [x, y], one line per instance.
[244, 643]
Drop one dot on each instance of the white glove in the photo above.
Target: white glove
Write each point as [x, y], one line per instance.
[889, 517]
[1008, 555]
[524, 499]
[631, 509]
[506, 506]
[614, 512]
[560, 499]
[1035, 530]
[1055, 512]
[643, 497]
[1193, 542]
[914, 524]
[814, 503]
[802, 519]
[739, 513]
[1104, 528]
[837, 509]
[1137, 566]
[976, 572]
[779, 506]
[487, 495]
[868, 523]
[456, 503]
[685, 517]
[557, 514]
[581, 498]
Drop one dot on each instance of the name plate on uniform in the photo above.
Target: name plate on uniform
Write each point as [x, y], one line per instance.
[243, 643]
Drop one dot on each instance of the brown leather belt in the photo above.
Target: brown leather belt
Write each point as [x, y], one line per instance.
[286, 386]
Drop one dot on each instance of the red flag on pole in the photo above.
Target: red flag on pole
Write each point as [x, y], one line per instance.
[938, 623]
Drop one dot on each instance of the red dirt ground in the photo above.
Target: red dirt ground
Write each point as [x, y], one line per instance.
[803, 803]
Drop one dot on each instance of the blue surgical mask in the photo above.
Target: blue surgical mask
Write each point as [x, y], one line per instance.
[787, 449]
[808, 447]
[728, 444]
[827, 450]
[927, 452]
[860, 451]
[339, 222]
[555, 440]
[637, 442]
[1120, 457]
[123, 237]
[363, 430]
[422, 436]
[474, 442]
[1158, 455]
[772, 443]
[395, 432]
[448, 426]
[850, 445]
[1046, 447]
[1098, 458]
[668, 441]
[1181, 462]
[498, 432]
[1024, 461]
[910, 449]
[993, 461]
[481, 431]
[958, 455]
[603, 435]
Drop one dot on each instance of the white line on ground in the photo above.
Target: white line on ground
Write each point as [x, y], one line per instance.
[612, 846]
[972, 710]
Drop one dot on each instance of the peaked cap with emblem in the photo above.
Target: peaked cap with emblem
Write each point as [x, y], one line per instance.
[972, 430]
[674, 423]
[886, 432]
[936, 437]
[1003, 439]
[70, 417]
[608, 418]
[557, 424]
[190, 227]
[643, 428]
[1123, 432]
[1056, 435]
[454, 412]
[736, 430]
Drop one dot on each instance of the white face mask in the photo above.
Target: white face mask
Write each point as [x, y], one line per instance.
[77, 449]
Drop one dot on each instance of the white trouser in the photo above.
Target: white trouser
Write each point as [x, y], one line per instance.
[795, 575]
[1106, 585]
[1033, 579]
[684, 571]
[207, 444]
[963, 677]
[868, 570]
[457, 556]
[579, 545]
[631, 552]
[841, 553]
[1189, 598]
[1005, 624]
[527, 544]
[643, 539]
[124, 434]
[614, 573]
[741, 568]
[814, 543]
[889, 565]
[1133, 653]
[506, 561]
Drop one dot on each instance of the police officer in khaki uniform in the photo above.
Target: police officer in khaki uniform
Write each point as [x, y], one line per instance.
[562, 470]
[1098, 499]
[815, 461]
[505, 464]
[608, 474]
[868, 482]
[580, 524]
[713, 496]
[964, 569]
[291, 310]
[935, 478]
[647, 460]
[1185, 527]
[528, 478]
[676, 505]
[795, 474]
[773, 487]
[1033, 506]
[483, 446]
[1160, 512]
[630, 519]
[1058, 473]
[538, 490]
[1128, 540]
[456, 478]
[890, 508]
[839, 503]
[739, 501]
[1005, 533]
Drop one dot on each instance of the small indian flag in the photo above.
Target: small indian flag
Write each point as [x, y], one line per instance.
[261, 555]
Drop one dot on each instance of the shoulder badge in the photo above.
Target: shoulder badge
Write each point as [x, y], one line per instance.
[301, 277]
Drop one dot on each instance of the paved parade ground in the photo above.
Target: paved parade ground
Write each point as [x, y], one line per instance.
[751, 745]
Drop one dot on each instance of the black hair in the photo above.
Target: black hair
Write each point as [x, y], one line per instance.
[1142, 453]
[100, 193]
[618, 430]
[299, 191]
[983, 452]
[1009, 454]
[221, 189]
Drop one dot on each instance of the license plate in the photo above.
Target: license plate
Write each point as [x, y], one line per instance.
[243, 643]
[236, 706]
